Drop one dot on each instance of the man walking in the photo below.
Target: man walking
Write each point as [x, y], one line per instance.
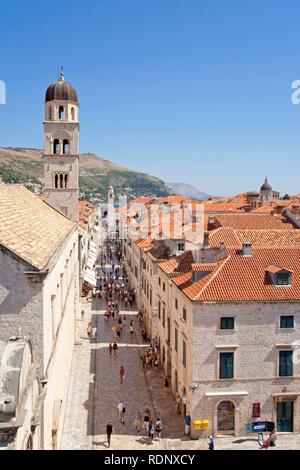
[187, 424]
[122, 374]
[115, 349]
[109, 432]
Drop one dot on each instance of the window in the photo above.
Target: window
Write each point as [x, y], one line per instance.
[227, 323]
[159, 309]
[287, 321]
[176, 340]
[169, 330]
[66, 146]
[164, 317]
[164, 287]
[150, 296]
[184, 314]
[56, 147]
[226, 365]
[184, 353]
[73, 114]
[283, 279]
[56, 181]
[66, 181]
[61, 112]
[285, 363]
[176, 304]
[180, 246]
[159, 281]
[50, 113]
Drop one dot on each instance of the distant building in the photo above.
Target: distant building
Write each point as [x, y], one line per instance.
[265, 195]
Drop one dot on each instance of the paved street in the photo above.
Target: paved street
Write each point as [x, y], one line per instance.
[95, 389]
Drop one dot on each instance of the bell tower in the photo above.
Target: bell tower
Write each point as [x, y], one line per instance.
[61, 157]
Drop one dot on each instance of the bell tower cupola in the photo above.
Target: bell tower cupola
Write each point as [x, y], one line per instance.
[61, 132]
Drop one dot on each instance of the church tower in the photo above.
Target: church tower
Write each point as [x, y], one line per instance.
[61, 158]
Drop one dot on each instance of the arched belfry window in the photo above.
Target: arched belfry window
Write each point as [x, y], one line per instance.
[61, 181]
[56, 180]
[50, 116]
[73, 114]
[66, 146]
[66, 181]
[56, 146]
[61, 112]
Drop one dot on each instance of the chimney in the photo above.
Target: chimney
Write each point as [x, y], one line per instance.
[247, 249]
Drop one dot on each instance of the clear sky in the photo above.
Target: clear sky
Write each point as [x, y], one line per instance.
[188, 90]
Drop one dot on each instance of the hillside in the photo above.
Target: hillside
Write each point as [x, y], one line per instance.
[187, 190]
[96, 174]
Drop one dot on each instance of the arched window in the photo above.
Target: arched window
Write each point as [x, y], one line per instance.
[66, 146]
[56, 180]
[66, 181]
[73, 114]
[61, 112]
[61, 180]
[50, 113]
[56, 146]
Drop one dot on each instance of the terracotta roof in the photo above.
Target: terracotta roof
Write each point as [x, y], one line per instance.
[263, 238]
[176, 265]
[29, 227]
[253, 221]
[204, 267]
[223, 207]
[244, 278]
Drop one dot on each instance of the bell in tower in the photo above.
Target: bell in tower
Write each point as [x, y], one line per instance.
[61, 158]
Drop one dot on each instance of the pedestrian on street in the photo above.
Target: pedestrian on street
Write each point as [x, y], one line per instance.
[138, 419]
[122, 374]
[187, 427]
[115, 349]
[211, 443]
[110, 348]
[109, 432]
[131, 329]
[94, 332]
[158, 428]
[166, 384]
[89, 331]
[151, 432]
[120, 407]
[146, 422]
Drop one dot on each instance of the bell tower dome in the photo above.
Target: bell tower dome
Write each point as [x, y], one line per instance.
[61, 132]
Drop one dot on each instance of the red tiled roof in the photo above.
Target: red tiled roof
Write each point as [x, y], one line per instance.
[244, 278]
[263, 238]
[253, 221]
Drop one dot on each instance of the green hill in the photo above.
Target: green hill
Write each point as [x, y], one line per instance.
[20, 165]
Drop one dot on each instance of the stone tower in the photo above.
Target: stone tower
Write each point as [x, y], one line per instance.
[111, 195]
[61, 131]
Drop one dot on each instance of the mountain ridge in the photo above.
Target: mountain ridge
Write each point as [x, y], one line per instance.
[96, 173]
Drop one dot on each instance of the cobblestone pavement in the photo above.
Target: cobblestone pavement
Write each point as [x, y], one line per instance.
[95, 389]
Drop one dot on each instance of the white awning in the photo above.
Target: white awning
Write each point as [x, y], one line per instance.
[90, 279]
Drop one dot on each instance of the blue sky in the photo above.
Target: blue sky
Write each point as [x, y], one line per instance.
[187, 90]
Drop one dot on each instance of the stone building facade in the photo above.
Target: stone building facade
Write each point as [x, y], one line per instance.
[39, 294]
